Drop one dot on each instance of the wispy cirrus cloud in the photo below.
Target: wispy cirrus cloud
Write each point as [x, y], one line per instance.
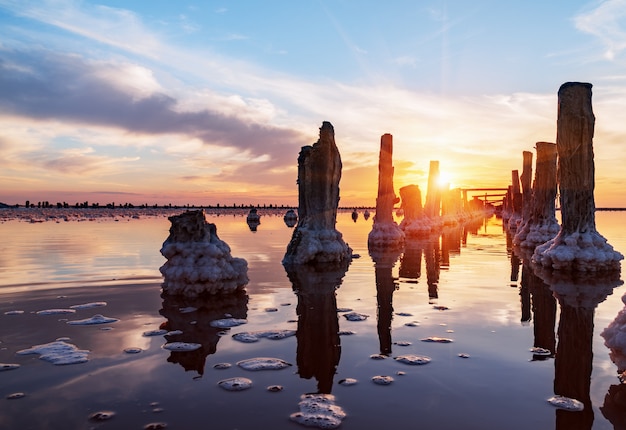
[607, 22]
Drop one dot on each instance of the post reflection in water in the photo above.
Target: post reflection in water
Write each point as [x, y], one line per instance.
[578, 295]
[192, 317]
[384, 261]
[319, 348]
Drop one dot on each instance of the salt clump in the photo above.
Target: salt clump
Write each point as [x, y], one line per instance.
[355, 316]
[56, 311]
[235, 384]
[8, 366]
[89, 305]
[563, 402]
[228, 322]
[58, 352]
[96, 319]
[263, 363]
[198, 262]
[319, 410]
[250, 337]
[413, 359]
[181, 346]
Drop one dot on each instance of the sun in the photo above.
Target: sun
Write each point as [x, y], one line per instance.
[444, 181]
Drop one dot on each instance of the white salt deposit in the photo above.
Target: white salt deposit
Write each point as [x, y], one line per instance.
[385, 235]
[615, 339]
[181, 346]
[403, 343]
[320, 246]
[567, 403]
[58, 352]
[228, 322]
[174, 333]
[156, 332]
[89, 305]
[263, 363]
[15, 312]
[404, 314]
[132, 350]
[585, 252]
[235, 384]
[250, 337]
[378, 356]
[8, 366]
[101, 416]
[382, 380]
[56, 311]
[275, 388]
[15, 396]
[348, 381]
[464, 355]
[346, 332]
[94, 320]
[318, 410]
[355, 316]
[540, 351]
[436, 339]
[222, 366]
[412, 324]
[413, 359]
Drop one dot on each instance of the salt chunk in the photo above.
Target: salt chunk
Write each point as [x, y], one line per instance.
[319, 410]
[15, 312]
[56, 311]
[355, 316]
[157, 332]
[412, 359]
[567, 403]
[348, 381]
[96, 319]
[228, 322]
[181, 346]
[436, 339]
[382, 380]
[250, 337]
[58, 353]
[263, 363]
[89, 305]
[235, 384]
[8, 366]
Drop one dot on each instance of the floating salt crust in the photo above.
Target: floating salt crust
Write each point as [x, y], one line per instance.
[319, 410]
[157, 332]
[412, 359]
[378, 356]
[15, 312]
[56, 311]
[132, 350]
[254, 336]
[58, 353]
[567, 403]
[14, 396]
[382, 380]
[348, 381]
[540, 351]
[181, 346]
[228, 322]
[222, 366]
[275, 388]
[404, 314]
[96, 319]
[403, 343]
[436, 339]
[89, 305]
[355, 316]
[235, 384]
[263, 363]
[8, 366]
[101, 416]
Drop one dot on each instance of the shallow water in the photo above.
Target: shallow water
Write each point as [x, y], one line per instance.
[464, 286]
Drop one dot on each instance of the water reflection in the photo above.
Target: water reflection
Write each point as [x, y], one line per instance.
[192, 317]
[319, 347]
[578, 295]
[386, 284]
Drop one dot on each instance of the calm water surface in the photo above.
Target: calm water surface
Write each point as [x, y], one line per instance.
[495, 311]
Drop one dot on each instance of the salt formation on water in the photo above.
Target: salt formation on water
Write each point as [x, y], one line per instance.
[540, 225]
[198, 262]
[58, 352]
[578, 246]
[94, 320]
[615, 339]
[315, 238]
[319, 410]
[385, 232]
[263, 363]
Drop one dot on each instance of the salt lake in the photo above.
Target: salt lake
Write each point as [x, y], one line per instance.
[454, 332]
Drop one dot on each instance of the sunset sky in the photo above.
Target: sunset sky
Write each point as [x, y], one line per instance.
[206, 102]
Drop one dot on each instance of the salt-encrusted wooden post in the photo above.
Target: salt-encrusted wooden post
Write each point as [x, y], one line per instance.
[526, 182]
[541, 225]
[315, 238]
[411, 198]
[433, 194]
[515, 202]
[385, 232]
[578, 246]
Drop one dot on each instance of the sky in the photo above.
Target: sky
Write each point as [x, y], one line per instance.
[209, 102]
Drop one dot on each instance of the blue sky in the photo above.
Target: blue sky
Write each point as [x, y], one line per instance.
[209, 102]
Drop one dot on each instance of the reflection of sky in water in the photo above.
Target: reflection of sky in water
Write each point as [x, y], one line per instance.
[498, 386]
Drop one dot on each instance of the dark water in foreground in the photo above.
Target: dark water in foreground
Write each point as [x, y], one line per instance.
[494, 311]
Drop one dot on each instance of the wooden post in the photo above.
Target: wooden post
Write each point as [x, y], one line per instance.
[386, 195]
[433, 195]
[578, 246]
[526, 182]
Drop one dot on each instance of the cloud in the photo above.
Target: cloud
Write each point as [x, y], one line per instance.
[607, 22]
[50, 86]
